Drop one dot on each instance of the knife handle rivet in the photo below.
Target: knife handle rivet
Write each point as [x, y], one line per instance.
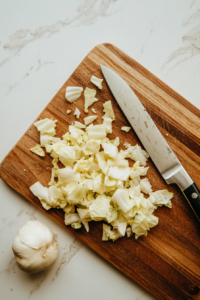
[194, 195]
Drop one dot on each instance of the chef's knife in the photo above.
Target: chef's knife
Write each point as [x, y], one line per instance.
[161, 154]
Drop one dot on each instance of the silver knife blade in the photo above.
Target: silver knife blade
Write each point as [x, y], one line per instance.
[160, 152]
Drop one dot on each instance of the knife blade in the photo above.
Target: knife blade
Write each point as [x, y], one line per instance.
[153, 141]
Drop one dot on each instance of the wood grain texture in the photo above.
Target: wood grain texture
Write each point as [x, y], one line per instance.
[167, 262]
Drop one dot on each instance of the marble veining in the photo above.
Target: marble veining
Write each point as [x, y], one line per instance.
[87, 13]
[190, 41]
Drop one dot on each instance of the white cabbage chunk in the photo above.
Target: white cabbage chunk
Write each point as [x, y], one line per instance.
[119, 172]
[99, 209]
[46, 126]
[73, 93]
[38, 150]
[89, 95]
[109, 113]
[96, 132]
[68, 175]
[109, 234]
[138, 154]
[162, 197]
[121, 198]
[89, 119]
[77, 113]
[96, 81]
[68, 111]
[71, 218]
[110, 150]
[145, 186]
[125, 128]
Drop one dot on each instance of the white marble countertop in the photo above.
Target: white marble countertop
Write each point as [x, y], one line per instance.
[41, 43]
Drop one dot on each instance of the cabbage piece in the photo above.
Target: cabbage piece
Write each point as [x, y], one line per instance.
[96, 81]
[107, 122]
[48, 148]
[76, 195]
[38, 150]
[71, 218]
[119, 172]
[76, 225]
[98, 184]
[134, 191]
[89, 95]
[92, 147]
[68, 111]
[121, 198]
[46, 126]
[135, 181]
[54, 171]
[73, 93]
[83, 165]
[69, 209]
[110, 149]
[45, 139]
[122, 228]
[96, 132]
[109, 234]
[112, 215]
[99, 209]
[84, 214]
[40, 191]
[93, 110]
[86, 225]
[69, 187]
[89, 119]
[109, 113]
[102, 161]
[161, 197]
[138, 171]
[140, 225]
[67, 175]
[125, 128]
[145, 186]
[77, 113]
[56, 198]
[138, 154]
[67, 155]
[79, 125]
[110, 181]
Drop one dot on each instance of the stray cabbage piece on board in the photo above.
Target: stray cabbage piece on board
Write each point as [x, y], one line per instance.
[73, 93]
[89, 95]
[125, 128]
[97, 81]
[96, 182]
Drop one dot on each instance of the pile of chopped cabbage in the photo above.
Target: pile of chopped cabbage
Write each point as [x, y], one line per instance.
[96, 182]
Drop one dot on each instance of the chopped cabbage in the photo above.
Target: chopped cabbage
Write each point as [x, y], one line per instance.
[121, 197]
[68, 111]
[109, 113]
[97, 81]
[89, 95]
[77, 113]
[73, 93]
[89, 119]
[96, 182]
[125, 128]
[38, 150]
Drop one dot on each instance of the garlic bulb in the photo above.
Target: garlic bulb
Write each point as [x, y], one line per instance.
[35, 247]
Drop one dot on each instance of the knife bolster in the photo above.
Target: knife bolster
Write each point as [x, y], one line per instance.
[179, 176]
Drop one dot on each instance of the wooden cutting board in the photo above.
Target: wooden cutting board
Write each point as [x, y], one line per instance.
[167, 262]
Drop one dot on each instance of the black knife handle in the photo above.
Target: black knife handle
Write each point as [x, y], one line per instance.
[192, 195]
